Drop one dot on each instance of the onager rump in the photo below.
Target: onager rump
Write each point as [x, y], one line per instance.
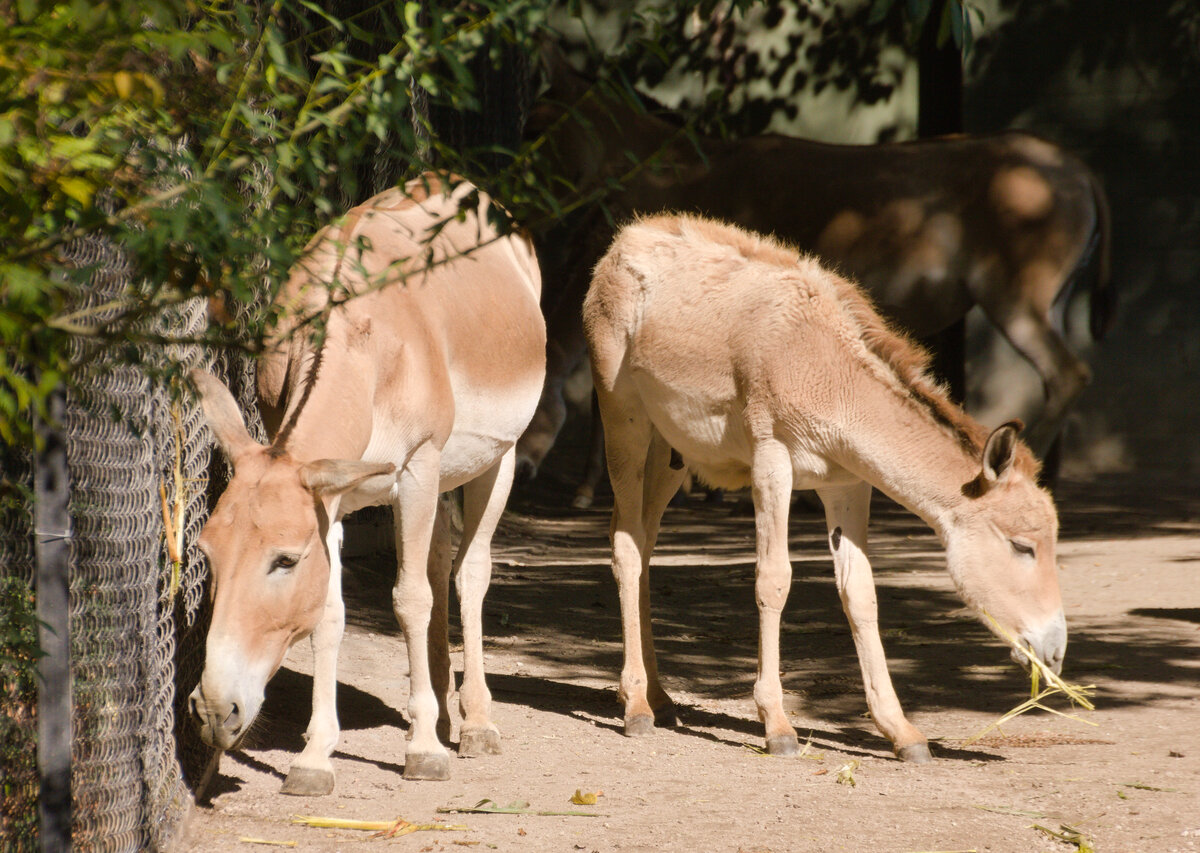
[423, 380]
[759, 367]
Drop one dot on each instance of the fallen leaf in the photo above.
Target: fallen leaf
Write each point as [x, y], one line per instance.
[845, 773]
[1139, 786]
[579, 798]
[267, 842]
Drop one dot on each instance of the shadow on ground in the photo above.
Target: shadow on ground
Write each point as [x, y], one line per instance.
[553, 600]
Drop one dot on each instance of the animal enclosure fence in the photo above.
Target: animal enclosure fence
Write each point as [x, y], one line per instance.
[136, 619]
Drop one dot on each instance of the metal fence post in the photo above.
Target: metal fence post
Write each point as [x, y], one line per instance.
[52, 524]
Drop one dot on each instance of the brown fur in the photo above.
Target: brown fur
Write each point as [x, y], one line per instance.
[421, 380]
[913, 223]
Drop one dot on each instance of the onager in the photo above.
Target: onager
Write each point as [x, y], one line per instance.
[422, 382]
[750, 364]
[1008, 222]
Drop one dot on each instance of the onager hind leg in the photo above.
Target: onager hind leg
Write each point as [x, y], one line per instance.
[847, 510]
[628, 438]
[483, 504]
[439, 622]
[662, 481]
[771, 479]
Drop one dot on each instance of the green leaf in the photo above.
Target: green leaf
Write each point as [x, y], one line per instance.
[123, 83]
[411, 11]
[27, 10]
[919, 10]
[80, 189]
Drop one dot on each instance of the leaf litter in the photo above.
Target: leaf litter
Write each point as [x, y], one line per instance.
[489, 806]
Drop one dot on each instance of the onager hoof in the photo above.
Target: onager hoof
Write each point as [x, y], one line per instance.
[479, 742]
[641, 725]
[665, 717]
[308, 782]
[582, 500]
[784, 745]
[427, 766]
[917, 753]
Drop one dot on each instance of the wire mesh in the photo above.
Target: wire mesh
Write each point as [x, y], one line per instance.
[136, 634]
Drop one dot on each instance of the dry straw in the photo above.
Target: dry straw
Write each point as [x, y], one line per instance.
[1077, 694]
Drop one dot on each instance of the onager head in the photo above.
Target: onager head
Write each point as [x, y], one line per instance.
[269, 563]
[1000, 549]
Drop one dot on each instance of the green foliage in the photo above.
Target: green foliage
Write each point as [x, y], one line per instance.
[208, 140]
[19, 653]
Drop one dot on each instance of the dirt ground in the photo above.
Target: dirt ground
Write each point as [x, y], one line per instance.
[1130, 553]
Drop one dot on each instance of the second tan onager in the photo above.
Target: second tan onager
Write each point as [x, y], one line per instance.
[735, 356]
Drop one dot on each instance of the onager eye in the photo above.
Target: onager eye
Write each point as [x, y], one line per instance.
[1022, 548]
[283, 563]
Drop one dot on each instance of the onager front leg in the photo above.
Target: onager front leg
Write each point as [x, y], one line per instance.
[311, 774]
[847, 510]
[412, 600]
[771, 476]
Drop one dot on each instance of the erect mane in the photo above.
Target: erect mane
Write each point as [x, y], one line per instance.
[910, 362]
[904, 359]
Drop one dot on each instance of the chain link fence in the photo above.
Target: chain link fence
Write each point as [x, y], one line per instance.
[137, 620]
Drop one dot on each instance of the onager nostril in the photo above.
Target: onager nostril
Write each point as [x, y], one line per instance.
[193, 706]
[234, 720]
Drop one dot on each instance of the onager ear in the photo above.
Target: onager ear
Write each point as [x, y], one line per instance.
[329, 477]
[999, 453]
[223, 415]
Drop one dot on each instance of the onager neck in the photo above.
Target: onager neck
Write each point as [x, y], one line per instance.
[908, 439]
[320, 381]
[912, 458]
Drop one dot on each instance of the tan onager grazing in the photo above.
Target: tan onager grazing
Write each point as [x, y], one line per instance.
[422, 382]
[733, 355]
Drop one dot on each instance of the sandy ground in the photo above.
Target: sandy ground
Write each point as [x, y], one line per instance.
[1130, 554]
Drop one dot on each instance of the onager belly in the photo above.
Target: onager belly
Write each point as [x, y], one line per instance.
[708, 432]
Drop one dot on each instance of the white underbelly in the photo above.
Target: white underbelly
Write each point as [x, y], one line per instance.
[710, 435]
[467, 455]
[712, 438]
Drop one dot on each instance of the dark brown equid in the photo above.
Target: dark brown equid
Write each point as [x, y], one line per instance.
[1008, 222]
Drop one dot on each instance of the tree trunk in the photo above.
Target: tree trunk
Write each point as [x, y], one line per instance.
[940, 112]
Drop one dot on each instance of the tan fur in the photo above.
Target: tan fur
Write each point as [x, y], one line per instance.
[759, 366]
[409, 358]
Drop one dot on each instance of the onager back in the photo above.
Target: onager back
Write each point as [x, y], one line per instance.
[731, 354]
[426, 375]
